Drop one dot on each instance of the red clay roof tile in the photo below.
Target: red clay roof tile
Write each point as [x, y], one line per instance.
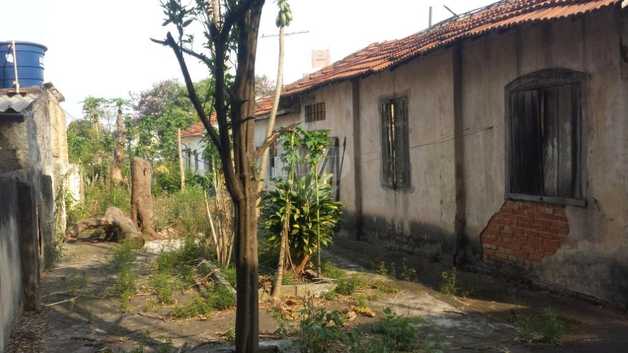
[378, 57]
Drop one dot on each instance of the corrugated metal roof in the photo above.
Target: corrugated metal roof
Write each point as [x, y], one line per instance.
[16, 103]
[378, 57]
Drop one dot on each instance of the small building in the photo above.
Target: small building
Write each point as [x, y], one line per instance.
[496, 138]
[35, 176]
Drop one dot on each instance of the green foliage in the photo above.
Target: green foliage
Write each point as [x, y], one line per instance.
[124, 285]
[398, 333]
[183, 210]
[182, 262]
[197, 307]
[307, 217]
[349, 285]
[449, 284]
[221, 298]
[332, 271]
[547, 327]
[284, 15]
[164, 286]
[406, 272]
[160, 112]
[320, 330]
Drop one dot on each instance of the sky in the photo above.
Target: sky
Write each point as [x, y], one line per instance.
[103, 48]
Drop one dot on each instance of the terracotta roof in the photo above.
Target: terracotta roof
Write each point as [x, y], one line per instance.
[504, 14]
[263, 107]
[378, 57]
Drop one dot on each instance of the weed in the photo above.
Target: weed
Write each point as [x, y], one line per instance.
[197, 307]
[385, 287]
[398, 332]
[221, 298]
[230, 275]
[320, 330]
[381, 268]
[125, 284]
[357, 342]
[544, 328]
[331, 271]
[349, 285]
[449, 284]
[330, 295]
[284, 328]
[229, 335]
[164, 285]
[405, 272]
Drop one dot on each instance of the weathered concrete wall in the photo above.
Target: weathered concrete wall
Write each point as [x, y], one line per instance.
[10, 268]
[592, 259]
[425, 213]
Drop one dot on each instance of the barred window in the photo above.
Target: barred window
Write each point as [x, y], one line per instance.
[395, 144]
[314, 112]
[544, 139]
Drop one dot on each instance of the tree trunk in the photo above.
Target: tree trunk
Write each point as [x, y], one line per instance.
[283, 248]
[141, 197]
[242, 108]
[117, 178]
[180, 154]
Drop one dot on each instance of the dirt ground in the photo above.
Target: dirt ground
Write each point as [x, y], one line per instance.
[79, 315]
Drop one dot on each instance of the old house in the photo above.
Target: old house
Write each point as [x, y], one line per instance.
[34, 179]
[498, 137]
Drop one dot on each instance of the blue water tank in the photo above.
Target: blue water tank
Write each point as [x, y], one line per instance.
[30, 64]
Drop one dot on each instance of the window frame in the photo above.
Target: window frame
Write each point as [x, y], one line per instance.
[393, 185]
[539, 80]
[314, 112]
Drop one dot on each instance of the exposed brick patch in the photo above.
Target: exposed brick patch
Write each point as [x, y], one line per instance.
[524, 233]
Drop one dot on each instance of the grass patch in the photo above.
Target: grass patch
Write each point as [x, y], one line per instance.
[197, 307]
[332, 271]
[122, 263]
[349, 285]
[546, 327]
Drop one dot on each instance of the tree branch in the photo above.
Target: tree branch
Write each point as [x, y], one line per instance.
[188, 51]
[192, 92]
[272, 138]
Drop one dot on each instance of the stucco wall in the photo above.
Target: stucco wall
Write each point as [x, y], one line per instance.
[10, 269]
[424, 213]
[593, 258]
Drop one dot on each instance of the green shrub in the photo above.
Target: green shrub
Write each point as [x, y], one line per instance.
[197, 307]
[547, 327]
[320, 330]
[349, 285]
[124, 285]
[449, 284]
[398, 333]
[221, 298]
[331, 271]
[164, 286]
[306, 218]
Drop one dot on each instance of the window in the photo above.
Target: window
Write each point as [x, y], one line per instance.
[544, 118]
[395, 147]
[314, 112]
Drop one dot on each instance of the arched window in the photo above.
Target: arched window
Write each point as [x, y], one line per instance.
[544, 128]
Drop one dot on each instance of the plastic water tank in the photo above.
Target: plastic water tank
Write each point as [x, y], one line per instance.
[30, 64]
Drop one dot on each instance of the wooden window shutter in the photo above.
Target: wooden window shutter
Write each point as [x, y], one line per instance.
[387, 144]
[526, 176]
[402, 145]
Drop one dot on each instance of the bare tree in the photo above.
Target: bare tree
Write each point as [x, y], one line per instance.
[230, 29]
[117, 178]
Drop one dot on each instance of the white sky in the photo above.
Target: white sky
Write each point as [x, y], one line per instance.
[102, 48]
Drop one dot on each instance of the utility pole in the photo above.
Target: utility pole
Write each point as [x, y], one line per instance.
[429, 22]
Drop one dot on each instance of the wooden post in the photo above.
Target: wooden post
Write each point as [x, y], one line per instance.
[181, 167]
[141, 197]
